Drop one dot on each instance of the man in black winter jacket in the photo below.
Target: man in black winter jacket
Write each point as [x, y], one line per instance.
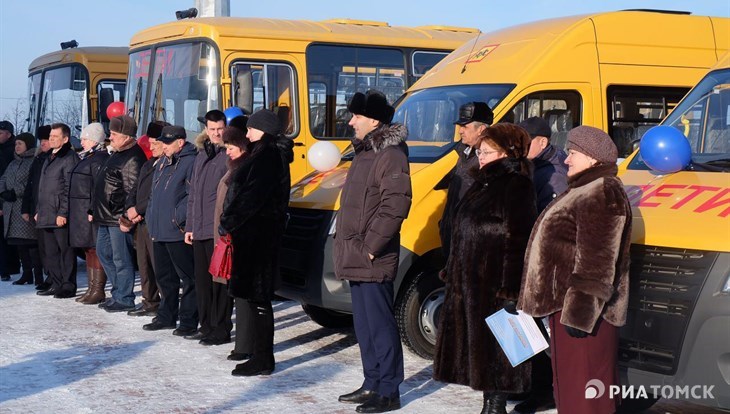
[51, 215]
[112, 198]
[474, 118]
[374, 202]
[30, 196]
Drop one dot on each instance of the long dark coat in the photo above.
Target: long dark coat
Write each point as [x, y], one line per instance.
[54, 185]
[254, 213]
[81, 232]
[489, 237]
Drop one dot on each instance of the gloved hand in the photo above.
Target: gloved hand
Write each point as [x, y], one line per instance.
[575, 332]
[9, 195]
[510, 306]
[221, 231]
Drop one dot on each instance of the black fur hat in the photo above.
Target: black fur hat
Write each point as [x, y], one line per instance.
[154, 128]
[372, 104]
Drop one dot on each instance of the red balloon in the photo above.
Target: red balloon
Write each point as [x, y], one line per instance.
[115, 109]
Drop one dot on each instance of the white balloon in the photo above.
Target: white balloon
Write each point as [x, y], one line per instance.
[324, 156]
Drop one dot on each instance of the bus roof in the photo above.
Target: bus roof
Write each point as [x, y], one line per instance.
[556, 49]
[335, 30]
[82, 55]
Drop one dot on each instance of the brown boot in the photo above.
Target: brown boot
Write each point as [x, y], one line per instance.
[91, 275]
[98, 282]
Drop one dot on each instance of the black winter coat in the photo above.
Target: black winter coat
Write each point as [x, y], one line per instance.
[81, 232]
[551, 175]
[491, 228]
[7, 154]
[374, 202]
[116, 180]
[460, 180]
[54, 186]
[168, 205]
[30, 196]
[140, 197]
[254, 213]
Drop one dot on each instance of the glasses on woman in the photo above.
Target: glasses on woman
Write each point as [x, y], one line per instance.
[481, 152]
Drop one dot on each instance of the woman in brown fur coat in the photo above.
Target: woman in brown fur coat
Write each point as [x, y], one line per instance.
[577, 272]
[484, 268]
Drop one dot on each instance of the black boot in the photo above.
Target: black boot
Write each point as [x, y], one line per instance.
[26, 279]
[495, 403]
[262, 362]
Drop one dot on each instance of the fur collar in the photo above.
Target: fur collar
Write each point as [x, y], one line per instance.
[592, 174]
[233, 166]
[129, 144]
[65, 148]
[385, 135]
[500, 167]
[200, 140]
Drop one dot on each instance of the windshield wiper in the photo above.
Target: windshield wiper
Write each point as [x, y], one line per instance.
[718, 165]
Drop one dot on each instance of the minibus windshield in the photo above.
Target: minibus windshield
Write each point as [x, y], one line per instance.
[34, 94]
[184, 85]
[64, 97]
[704, 118]
[429, 115]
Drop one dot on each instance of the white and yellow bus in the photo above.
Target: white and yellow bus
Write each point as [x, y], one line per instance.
[305, 71]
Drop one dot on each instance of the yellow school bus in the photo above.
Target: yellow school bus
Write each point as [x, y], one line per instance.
[619, 71]
[305, 71]
[74, 86]
[678, 327]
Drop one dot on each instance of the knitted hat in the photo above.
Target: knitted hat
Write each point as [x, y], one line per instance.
[372, 104]
[93, 132]
[239, 122]
[123, 124]
[7, 126]
[593, 142]
[236, 136]
[510, 138]
[28, 138]
[475, 111]
[265, 120]
[536, 127]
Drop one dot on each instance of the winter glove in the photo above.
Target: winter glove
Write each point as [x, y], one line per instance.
[221, 231]
[8, 195]
[575, 332]
[510, 306]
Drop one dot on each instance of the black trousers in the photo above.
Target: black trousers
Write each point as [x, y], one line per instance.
[541, 370]
[59, 258]
[9, 263]
[31, 260]
[244, 328]
[215, 307]
[145, 263]
[174, 267]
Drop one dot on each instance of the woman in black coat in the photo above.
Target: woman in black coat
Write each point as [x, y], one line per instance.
[484, 269]
[254, 213]
[82, 234]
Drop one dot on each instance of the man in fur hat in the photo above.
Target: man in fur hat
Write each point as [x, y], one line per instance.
[374, 202]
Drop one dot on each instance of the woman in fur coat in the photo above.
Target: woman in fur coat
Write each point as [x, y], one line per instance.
[577, 272]
[254, 214]
[484, 268]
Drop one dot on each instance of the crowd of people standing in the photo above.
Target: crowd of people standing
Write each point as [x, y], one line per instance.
[525, 226]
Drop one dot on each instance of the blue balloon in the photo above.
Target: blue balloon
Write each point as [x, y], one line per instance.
[233, 112]
[665, 149]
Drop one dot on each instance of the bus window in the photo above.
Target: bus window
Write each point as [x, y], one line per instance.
[422, 61]
[335, 73]
[633, 110]
[108, 91]
[561, 109]
[34, 93]
[267, 85]
[65, 97]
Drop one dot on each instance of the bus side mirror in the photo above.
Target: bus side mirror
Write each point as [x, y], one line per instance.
[635, 145]
[106, 97]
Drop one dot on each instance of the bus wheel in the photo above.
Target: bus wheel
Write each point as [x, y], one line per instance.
[328, 318]
[417, 313]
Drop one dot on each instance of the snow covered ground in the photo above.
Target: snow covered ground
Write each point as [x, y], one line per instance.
[60, 356]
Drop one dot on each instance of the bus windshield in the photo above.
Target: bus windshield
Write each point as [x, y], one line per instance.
[183, 83]
[704, 118]
[34, 95]
[429, 115]
[64, 97]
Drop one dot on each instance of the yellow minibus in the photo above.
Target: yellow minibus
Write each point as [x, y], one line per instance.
[305, 71]
[74, 86]
[620, 71]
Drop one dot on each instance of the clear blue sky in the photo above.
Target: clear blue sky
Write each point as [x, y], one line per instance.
[30, 28]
